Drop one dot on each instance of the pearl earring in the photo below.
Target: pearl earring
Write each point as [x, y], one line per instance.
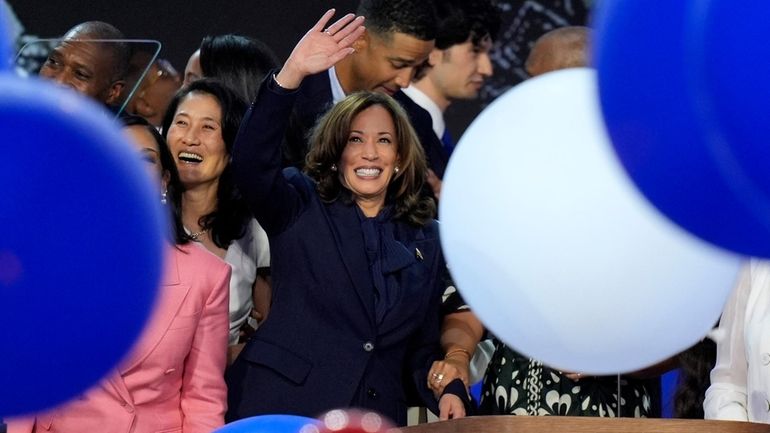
[395, 170]
[334, 167]
[163, 195]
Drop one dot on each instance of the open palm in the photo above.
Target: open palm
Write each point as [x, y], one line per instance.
[320, 49]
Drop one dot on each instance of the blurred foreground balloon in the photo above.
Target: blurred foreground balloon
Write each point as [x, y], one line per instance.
[272, 424]
[684, 96]
[355, 421]
[5, 40]
[555, 249]
[81, 243]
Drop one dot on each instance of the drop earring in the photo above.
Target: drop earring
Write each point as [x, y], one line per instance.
[163, 196]
[334, 167]
[395, 170]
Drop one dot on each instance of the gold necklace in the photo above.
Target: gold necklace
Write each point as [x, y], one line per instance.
[196, 236]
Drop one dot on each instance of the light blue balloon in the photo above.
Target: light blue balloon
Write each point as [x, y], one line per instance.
[272, 424]
[555, 249]
[82, 236]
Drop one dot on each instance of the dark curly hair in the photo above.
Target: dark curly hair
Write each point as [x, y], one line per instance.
[328, 141]
[461, 20]
[231, 217]
[412, 17]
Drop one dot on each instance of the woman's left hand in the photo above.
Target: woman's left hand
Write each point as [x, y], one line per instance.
[445, 371]
[321, 48]
[450, 407]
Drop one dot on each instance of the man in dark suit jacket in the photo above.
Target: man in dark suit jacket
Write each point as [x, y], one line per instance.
[399, 36]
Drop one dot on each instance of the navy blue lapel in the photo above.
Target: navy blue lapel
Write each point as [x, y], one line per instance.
[346, 227]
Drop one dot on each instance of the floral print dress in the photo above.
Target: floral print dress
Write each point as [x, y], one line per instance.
[517, 385]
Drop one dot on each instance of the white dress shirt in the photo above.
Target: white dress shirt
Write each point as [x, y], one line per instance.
[424, 101]
[740, 381]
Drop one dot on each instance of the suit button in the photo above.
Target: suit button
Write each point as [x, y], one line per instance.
[372, 393]
[368, 346]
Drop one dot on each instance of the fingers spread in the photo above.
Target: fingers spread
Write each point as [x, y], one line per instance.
[340, 24]
[324, 19]
[352, 36]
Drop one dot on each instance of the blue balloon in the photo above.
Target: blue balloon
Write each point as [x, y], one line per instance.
[82, 237]
[271, 424]
[652, 100]
[729, 69]
[5, 42]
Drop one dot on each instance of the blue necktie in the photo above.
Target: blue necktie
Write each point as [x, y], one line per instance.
[446, 140]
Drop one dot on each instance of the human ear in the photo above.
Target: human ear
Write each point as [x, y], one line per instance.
[114, 92]
[435, 57]
[362, 42]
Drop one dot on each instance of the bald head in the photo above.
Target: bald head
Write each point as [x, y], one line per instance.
[119, 52]
[87, 65]
[565, 47]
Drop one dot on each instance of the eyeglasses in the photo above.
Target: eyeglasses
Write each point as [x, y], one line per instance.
[160, 69]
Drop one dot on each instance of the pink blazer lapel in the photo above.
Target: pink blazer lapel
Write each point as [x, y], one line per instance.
[172, 294]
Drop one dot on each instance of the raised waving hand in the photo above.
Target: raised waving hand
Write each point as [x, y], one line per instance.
[320, 48]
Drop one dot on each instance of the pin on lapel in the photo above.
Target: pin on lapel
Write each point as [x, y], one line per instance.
[418, 253]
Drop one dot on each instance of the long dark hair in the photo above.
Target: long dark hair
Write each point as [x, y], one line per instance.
[231, 217]
[174, 187]
[239, 62]
[328, 141]
[696, 364]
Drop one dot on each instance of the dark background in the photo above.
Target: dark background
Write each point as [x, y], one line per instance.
[180, 26]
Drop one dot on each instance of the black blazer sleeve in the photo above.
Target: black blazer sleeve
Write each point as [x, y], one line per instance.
[257, 158]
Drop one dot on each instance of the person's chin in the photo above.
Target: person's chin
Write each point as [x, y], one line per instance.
[390, 91]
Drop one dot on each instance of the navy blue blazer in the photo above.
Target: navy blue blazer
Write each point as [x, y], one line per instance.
[321, 346]
[314, 97]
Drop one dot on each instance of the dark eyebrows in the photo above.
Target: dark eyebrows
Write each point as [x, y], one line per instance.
[408, 62]
[355, 131]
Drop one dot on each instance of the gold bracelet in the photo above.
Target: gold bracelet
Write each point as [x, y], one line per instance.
[275, 78]
[453, 351]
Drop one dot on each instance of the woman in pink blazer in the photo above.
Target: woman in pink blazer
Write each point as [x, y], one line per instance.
[172, 381]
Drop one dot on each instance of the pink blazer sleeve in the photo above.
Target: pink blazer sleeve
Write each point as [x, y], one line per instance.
[21, 425]
[204, 393]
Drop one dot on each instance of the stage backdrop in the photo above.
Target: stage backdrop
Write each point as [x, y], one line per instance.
[180, 26]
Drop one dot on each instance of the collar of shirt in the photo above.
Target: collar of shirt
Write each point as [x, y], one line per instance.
[337, 93]
[424, 101]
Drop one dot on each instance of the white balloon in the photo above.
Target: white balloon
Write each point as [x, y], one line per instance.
[554, 248]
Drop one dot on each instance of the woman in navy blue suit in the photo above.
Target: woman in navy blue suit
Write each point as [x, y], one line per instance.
[356, 260]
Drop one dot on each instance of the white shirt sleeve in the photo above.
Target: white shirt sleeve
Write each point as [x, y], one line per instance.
[726, 398]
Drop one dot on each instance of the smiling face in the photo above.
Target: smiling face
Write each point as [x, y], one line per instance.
[146, 145]
[195, 139]
[86, 67]
[383, 64]
[369, 158]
